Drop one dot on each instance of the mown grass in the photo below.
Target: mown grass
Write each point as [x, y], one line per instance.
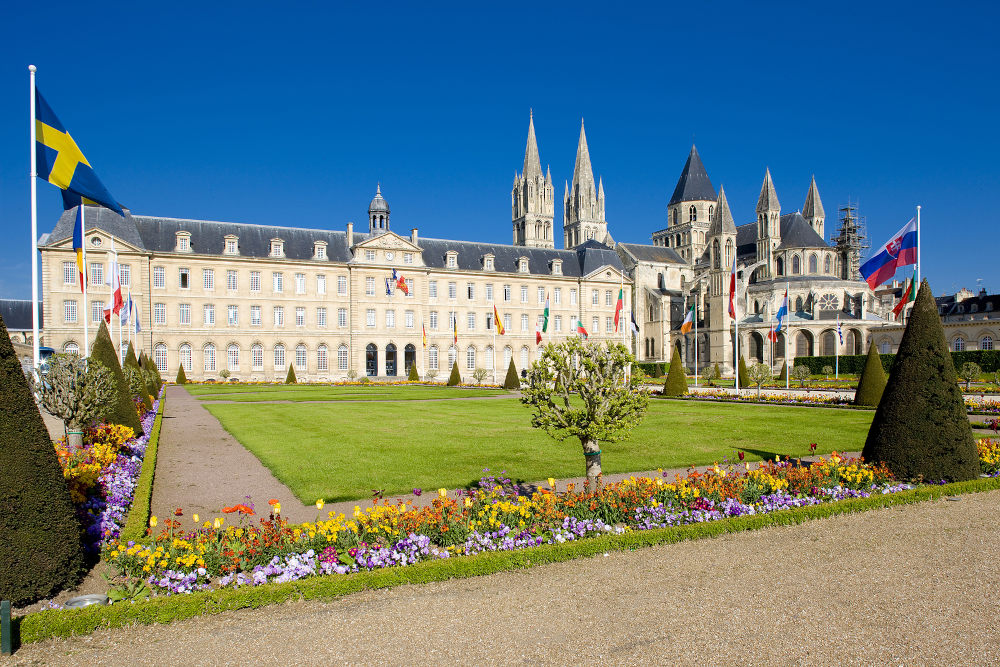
[343, 450]
[304, 392]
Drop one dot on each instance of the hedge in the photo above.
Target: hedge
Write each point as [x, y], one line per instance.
[852, 364]
[138, 515]
[68, 622]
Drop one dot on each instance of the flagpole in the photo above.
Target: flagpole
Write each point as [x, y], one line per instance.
[788, 333]
[736, 322]
[86, 276]
[918, 247]
[34, 227]
[836, 349]
[696, 337]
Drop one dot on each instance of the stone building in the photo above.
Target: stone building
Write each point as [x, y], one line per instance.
[971, 320]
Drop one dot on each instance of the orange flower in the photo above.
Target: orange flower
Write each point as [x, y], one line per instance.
[178, 512]
[229, 510]
[272, 502]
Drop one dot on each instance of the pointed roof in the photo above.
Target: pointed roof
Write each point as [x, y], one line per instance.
[768, 200]
[813, 208]
[583, 172]
[548, 174]
[694, 184]
[722, 217]
[532, 163]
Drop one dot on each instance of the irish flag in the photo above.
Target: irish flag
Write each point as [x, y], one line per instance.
[580, 330]
[496, 321]
[618, 306]
[688, 321]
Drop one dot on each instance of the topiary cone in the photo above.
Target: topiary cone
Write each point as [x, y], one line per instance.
[181, 378]
[132, 362]
[413, 376]
[290, 376]
[872, 382]
[123, 411]
[744, 379]
[783, 375]
[676, 382]
[512, 381]
[40, 548]
[454, 379]
[921, 427]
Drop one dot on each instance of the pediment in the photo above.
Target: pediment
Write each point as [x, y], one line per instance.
[104, 244]
[387, 241]
[608, 273]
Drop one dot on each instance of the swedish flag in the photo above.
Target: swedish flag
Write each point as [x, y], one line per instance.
[61, 162]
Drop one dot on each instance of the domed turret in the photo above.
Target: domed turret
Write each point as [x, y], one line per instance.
[378, 213]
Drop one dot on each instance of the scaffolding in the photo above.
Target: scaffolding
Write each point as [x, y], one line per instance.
[851, 240]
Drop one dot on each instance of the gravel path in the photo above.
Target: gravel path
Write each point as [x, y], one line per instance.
[911, 585]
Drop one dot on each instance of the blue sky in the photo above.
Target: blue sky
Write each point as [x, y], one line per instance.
[289, 113]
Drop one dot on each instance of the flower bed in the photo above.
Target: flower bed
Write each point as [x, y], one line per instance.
[778, 399]
[102, 476]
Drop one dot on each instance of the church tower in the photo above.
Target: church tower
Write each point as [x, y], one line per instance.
[583, 203]
[378, 213]
[532, 200]
[812, 210]
[769, 227]
[689, 211]
[722, 241]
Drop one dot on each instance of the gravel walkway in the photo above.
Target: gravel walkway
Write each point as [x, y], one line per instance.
[910, 585]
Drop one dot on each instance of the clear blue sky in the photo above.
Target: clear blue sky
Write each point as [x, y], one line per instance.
[288, 114]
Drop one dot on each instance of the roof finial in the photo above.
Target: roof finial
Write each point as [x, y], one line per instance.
[378, 187]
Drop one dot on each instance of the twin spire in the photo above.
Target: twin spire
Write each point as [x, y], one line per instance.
[768, 200]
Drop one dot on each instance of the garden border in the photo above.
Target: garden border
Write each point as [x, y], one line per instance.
[138, 515]
[69, 622]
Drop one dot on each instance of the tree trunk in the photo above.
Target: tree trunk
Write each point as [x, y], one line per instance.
[74, 440]
[758, 392]
[592, 455]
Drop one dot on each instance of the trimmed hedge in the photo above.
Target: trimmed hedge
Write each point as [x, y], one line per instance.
[65, 623]
[676, 382]
[181, 377]
[512, 381]
[138, 515]
[853, 364]
[413, 376]
[872, 382]
[290, 376]
[454, 379]
[122, 409]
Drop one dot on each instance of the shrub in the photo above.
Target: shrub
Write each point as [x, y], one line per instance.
[76, 392]
[676, 382]
[657, 370]
[413, 375]
[711, 374]
[137, 386]
[145, 390]
[511, 381]
[758, 374]
[970, 371]
[290, 375]
[40, 548]
[744, 376]
[181, 377]
[454, 379]
[801, 373]
[921, 427]
[121, 409]
[479, 375]
[871, 384]
[152, 373]
[827, 370]
[783, 375]
[224, 373]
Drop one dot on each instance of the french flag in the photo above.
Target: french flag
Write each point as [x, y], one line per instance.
[782, 313]
[901, 250]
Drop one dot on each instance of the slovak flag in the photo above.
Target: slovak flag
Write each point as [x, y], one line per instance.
[732, 291]
[782, 313]
[901, 250]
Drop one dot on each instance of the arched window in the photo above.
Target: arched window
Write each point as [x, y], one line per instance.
[488, 361]
[256, 357]
[432, 358]
[826, 265]
[71, 348]
[716, 259]
[300, 357]
[986, 343]
[409, 358]
[508, 354]
[692, 214]
[160, 357]
[756, 307]
[233, 357]
[675, 216]
[390, 359]
[525, 357]
[342, 358]
[780, 267]
[279, 357]
[729, 252]
[452, 356]
[711, 211]
[796, 268]
[209, 354]
[958, 345]
[884, 347]
[470, 358]
[322, 358]
[186, 357]
[371, 360]
[813, 264]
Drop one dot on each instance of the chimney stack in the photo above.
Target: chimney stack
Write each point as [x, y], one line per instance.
[413, 236]
[350, 234]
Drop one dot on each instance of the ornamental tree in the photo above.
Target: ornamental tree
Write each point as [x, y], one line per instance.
[758, 374]
[676, 382]
[413, 375]
[290, 375]
[145, 391]
[479, 375]
[181, 376]
[827, 370]
[578, 389]
[455, 378]
[970, 371]
[76, 392]
[801, 373]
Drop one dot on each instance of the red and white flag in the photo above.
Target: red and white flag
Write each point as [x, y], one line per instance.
[538, 332]
[732, 291]
[114, 281]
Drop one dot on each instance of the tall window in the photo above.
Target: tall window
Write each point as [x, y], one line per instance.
[69, 273]
[432, 289]
[233, 357]
[607, 297]
[125, 275]
[370, 317]
[300, 357]
[959, 344]
[300, 317]
[69, 312]
[209, 314]
[279, 316]
[813, 261]
[524, 322]
[321, 317]
[300, 283]
[692, 214]
[826, 265]
[279, 357]
[184, 313]
[558, 323]
[257, 357]
[159, 313]
[796, 268]
[572, 297]
[408, 319]
[507, 355]
[452, 290]
[184, 278]
[159, 277]
[595, 296]
[489, 293]
[506, 321]
[524, 294]
[470, 322]
[185, 353]
[208, 278]
[432, 358]
[390, 318]
[524, 357]
[452, 356]
[231, 248]
[232, 280]
[341, 285]
[160, 357]
[470, 290]
[369, 286]
[233, 313]
[277, 282]
[321, 284]
[96, 273]
[541, 295]
[506, 293]
[255, 281]
[433, 320]
[341, 317]
[322, 358]
[595, 324]
[209, 354]
[255, 317]
[488, 361]
[342, 358]
[470, 358]
[986, 343]
[557, 296]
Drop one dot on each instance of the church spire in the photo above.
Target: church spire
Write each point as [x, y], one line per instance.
[532, 163]
[583, 204]
[531, 199]
[583, 172]
[722, 217]
[812, 210]
[768, 200]
[694, 183]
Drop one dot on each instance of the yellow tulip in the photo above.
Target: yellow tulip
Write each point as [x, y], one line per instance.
[195, 518]
[468, 502]
[442, 492]
[552, 482]
[357, 511]
[152, 521]
[319, 504]
[217, 523]
[277, 508]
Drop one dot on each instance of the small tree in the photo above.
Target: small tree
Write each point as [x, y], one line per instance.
[413, 375]
[827, 370]
[676, 382]
[801, 373]
[479, 375]
[181, 377]
[431, 374]
[970, 372]
[455, 378]
[579, 389]
[742, 370]
[511, 382]
[758, 374]
[657, 370]
[711, 374]
[872, 382]
[290, 375]
[121, 409]
[224, 373]
[352, 375]
[76, 392]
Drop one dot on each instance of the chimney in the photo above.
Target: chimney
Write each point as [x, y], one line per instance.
[350, 234]
[413, 236]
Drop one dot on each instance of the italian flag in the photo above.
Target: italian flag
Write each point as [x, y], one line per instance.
[619, 306]
[538, 332]
[496, 321]
[688, 321]
[580, 330]
[545, 316]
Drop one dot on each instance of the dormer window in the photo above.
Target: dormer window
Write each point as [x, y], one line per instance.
[319, 250]
[522, 265]
[989, 306]
[488, 262]
[277, 248]
[557, 267]
[183, 241]
[232, 245]
[451, 259]
[974, 308]
[369, 255]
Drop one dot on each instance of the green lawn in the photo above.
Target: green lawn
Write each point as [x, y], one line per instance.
[305, 392]
[342, 450]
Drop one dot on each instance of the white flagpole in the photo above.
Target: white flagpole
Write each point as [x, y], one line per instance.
[86, 276]
[736, 319]
[836, 348]
[788, 333]
[918, 251]
[494, 348]
[129, 313]
[696, 337]
[34, 228]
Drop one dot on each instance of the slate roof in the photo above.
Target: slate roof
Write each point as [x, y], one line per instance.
[156, 234]
[948, 305]
[694, 184]
[16, 314]
[653, 253]
[722, 217]
[795, 233]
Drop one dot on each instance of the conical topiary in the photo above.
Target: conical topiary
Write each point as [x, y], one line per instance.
[871, 384]
[921, 428]
[147, 365]
[290, 376]
[744, 378]
[40, 549]
[181, 377]
[511, 381]
[676, 382]
[123, 411]
[783, 375]
[454, 379]
[132, 362]
[657, 370]
[414, 376]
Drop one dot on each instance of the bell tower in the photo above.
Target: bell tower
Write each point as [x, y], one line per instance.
[532, 202]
